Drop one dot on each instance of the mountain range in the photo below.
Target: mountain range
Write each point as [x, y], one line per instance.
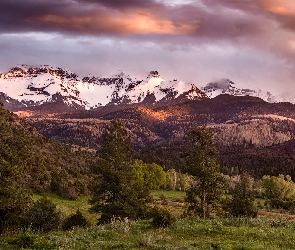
[252, 129]
[27, 88]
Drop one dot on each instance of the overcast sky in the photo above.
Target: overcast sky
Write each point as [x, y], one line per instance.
[252, 42]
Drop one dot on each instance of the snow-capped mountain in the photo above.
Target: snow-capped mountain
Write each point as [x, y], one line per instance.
[25, 87]
[226, 86]
[38, 85]
[33, 86]
[121, 88]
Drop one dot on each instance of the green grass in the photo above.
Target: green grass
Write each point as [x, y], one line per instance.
[69, 207]
[175, 200]
[186, 234]
[171, 195]
[189, 233]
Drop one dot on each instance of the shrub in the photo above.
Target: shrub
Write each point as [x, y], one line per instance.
[43, 216]
[23, 241]
[260, 204]
[162, 217]
[75, 220]
[163, 199]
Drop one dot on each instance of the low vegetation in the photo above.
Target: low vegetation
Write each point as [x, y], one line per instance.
[189, 233]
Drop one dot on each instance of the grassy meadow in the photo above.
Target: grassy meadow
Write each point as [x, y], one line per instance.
[269, 231]
[186, 233]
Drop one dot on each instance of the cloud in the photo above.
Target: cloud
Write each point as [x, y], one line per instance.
[240, 38]
[119, 24]
[210, 19]
[121, 4]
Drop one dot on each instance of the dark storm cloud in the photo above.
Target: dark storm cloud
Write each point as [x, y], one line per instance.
[123, 4]
[210, 19]
[29, 15]
[283, 11]
[15, 13]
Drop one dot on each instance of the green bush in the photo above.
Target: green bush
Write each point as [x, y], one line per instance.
[43, 216]
[75, 220]
[164, 199]
[23, 241]
[281, 204]
[162, 217]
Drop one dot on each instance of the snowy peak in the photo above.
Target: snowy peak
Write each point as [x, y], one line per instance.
[29, 71]
[226, 86]
[223, 84]
[150, 90]
[37, 85]
[25, 86]
[33, 86]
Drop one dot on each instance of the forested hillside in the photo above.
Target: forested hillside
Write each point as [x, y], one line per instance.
[250, 134]
[43, 165]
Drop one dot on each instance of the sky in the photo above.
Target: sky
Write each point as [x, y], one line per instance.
[251, 42]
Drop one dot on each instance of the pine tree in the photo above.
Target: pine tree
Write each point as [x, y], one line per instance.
[209, 184]
[242, 202]
[44, 215]
[116, 193]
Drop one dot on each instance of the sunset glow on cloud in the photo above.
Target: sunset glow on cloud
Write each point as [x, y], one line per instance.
[127, 23]
[249, 41]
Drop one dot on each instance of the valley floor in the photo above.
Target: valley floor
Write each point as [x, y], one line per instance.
[185, 234]
[271, 230]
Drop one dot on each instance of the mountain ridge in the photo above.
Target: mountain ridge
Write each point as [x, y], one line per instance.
[38, 87]
[33, 86]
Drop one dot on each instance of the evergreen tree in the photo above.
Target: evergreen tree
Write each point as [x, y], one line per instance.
[75, 220]
[242, 202]
[44, 215]
[208, 184]
[14, 199]
[116, 191]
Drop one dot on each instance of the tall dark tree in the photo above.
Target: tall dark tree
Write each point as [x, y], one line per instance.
[208, 184]
[242, 202]
[116, 192]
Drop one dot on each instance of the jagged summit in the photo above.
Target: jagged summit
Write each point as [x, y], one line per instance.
[226, 86]
[223, 84]
[40, 84]
[32, 86]
[24, 87]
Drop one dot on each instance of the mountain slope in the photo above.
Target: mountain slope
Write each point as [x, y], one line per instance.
[45, 166]
[235, 121]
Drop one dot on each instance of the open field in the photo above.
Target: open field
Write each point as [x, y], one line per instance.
[69, 207]
[269, 231]
[186, 234]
